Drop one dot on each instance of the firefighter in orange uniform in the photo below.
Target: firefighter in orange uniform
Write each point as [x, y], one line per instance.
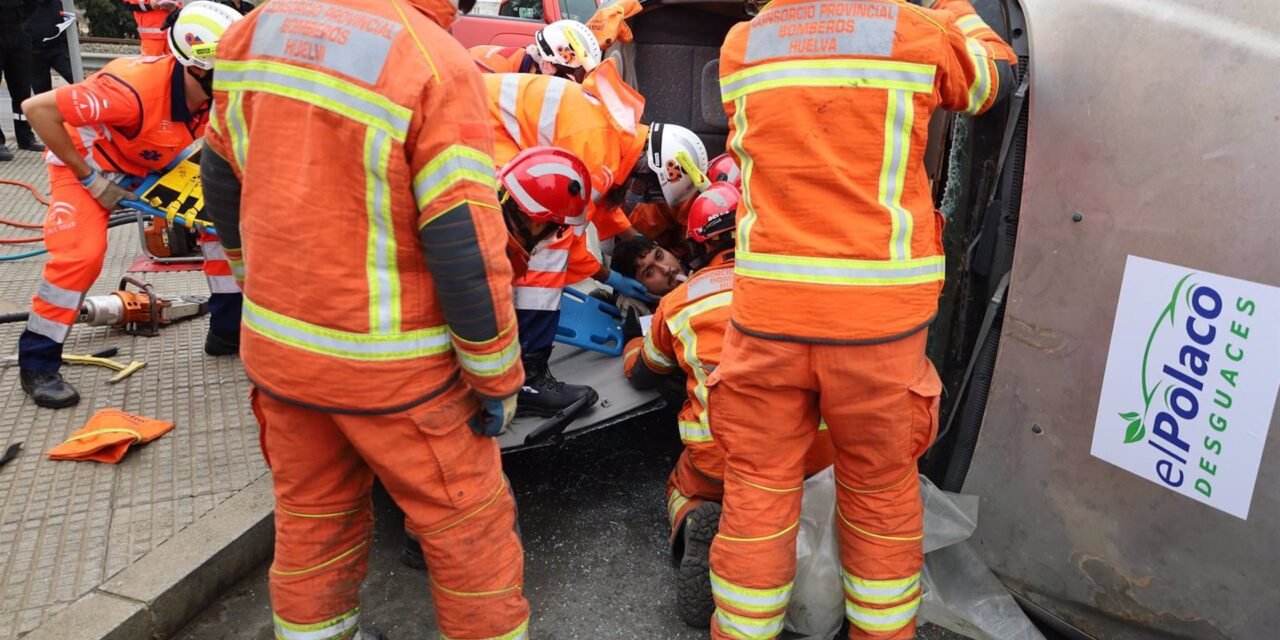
[686, 335]
[128, 120]
[837, 279]
[389, 346]
[565, 49]
[150, 16]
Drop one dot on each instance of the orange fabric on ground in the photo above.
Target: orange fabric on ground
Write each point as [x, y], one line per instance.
[447, 480]
[880, 402]
[107, 436]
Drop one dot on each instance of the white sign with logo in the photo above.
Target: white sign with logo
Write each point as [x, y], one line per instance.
[1191, 382]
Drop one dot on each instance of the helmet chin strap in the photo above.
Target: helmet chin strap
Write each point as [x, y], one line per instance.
[206, 81]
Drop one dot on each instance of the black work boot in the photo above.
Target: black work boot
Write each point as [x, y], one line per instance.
[411, 553]
[217, 344]
[48, 389]
[26, 137]
[5, 154]
[693, 586]
[542, 394]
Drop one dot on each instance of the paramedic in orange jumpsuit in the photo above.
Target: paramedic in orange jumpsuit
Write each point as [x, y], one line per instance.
[686, 335]
[837, 279]
[128, 120]
[388, 346]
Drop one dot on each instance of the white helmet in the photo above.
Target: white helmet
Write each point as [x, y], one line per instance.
[679, 158]
[194, 36]
[568, 44]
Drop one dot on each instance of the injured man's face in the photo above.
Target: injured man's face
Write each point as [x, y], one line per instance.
[659, 271]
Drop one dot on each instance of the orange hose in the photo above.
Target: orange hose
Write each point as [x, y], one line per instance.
[24, 225]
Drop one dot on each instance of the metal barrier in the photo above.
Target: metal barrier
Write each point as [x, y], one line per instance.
[96, 61]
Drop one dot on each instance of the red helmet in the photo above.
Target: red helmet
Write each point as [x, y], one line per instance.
[713, 213]
[724, 168]
[548, 184]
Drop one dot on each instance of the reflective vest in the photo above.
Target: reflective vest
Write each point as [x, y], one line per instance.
[374, 268]
[166, 127]
[598, 121]
[555, 262]
[150, 20]
[829, 105]
[687, 333]
[495, 59]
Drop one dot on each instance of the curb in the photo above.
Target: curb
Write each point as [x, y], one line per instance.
[154, 597]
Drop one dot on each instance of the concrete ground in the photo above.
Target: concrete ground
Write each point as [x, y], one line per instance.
[67, 527]
[594, 525]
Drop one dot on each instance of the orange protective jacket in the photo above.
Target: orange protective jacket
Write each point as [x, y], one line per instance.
[609, 24]
[492, 58]
[687, 333]
[853, 255]
[131, 117]
[402, 285]
[598, 121]
[150, 19]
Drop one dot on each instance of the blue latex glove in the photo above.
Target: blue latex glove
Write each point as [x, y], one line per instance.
[627, 286]
[494, 416]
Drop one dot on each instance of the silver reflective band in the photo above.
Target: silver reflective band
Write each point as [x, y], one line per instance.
[455, 163]
[880, 591]
[910, 77]
[307, 89]
[552, 260]
[59, 297]
[53, 330]
[750, 628]
[222, 284]
[507, 97]
[750, 599]
[537, 298]
[879, 620]
[550, 112]
[491, 363]
[833, 272]
[302, 632]
[899, 121]
[981, 88]
[212, 250]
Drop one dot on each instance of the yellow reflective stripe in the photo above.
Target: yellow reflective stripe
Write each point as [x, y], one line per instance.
[137, 437]
[682, 327]
[749, 599]
[761, 538]
[748, 170]
[315, 88]
[675, 502]
[910, 474]
[899, 118]
[652, 354]
[332, 342]
[880, 591]
[877, 536]
[822, 425]
[331, 561]
[237, 268]
[519, 633]
[982, 86]
[971, 24]
[489, 364]
[492, 499]
[840, 271]
[455, 164]
[695, 431]
[745, 628]
[881, 620]
[238, 134]
[866, 74]
[331, 628]
[380, 253]
[472, 594]
[338, 514]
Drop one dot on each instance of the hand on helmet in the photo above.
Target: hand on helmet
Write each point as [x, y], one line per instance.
[107, 193]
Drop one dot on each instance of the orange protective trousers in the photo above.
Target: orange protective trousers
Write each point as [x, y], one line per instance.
[880, 404]
[449, 483]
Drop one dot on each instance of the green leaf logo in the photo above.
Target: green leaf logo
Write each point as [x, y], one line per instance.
[1135, 431]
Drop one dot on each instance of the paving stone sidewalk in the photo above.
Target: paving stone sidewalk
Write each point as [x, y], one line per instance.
[67, 527]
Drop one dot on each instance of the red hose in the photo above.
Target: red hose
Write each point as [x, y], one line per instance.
[19, 240]
[24, 225]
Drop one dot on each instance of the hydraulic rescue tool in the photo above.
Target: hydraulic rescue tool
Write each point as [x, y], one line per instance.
[138, 312]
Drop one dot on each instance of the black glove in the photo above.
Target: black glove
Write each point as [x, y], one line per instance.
[631, 327]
